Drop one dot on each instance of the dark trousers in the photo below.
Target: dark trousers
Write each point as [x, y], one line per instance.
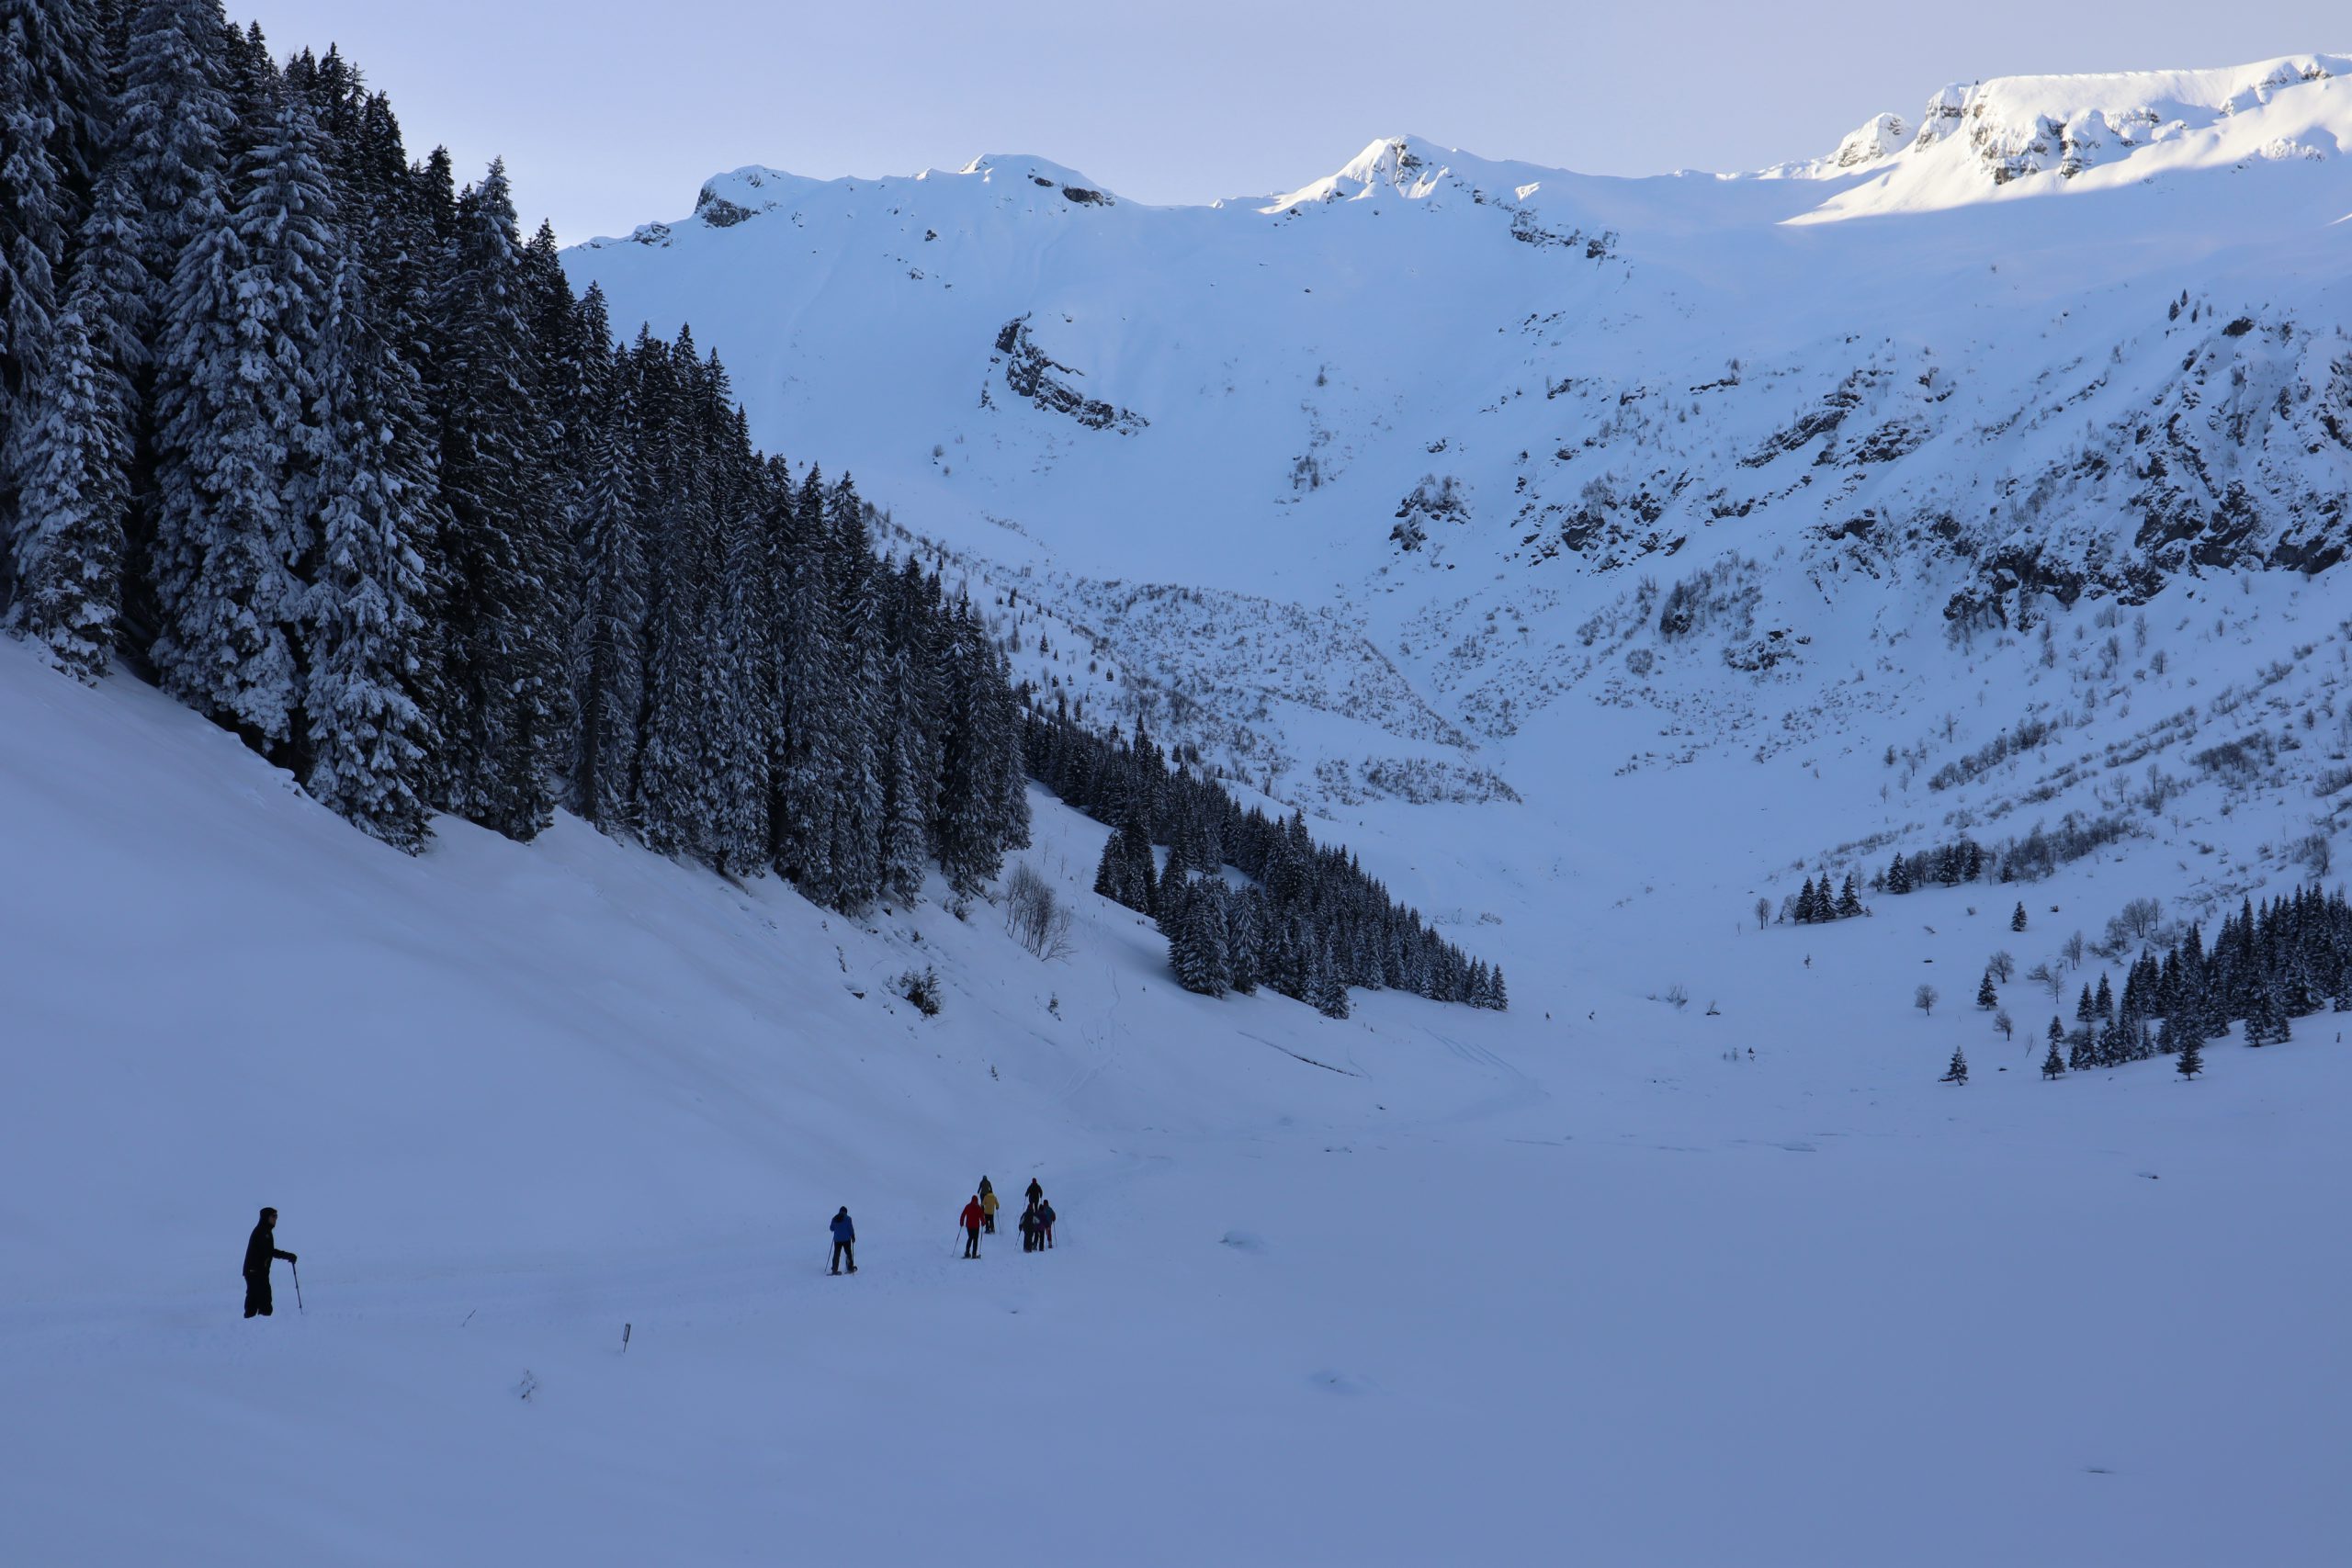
[988, 1224]
[844, 1251]
[1028, 1239]
[256, 1295]
[971, 1241]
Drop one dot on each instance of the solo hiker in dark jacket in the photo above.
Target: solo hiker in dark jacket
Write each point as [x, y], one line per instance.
[261, 1248]
[1029, 1228]
[1046, 1222]
[1034, 1192]
[844, 1242]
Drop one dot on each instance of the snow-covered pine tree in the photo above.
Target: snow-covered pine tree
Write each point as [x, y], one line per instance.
[240, 437]
[368, 741]
[744, 718]
[1111, 870]
[1326, 992]
[33, 222]
[916, 699]
[1958, 1071]
[979, 745]
[171, 124]
[2017, 917]
[1244, 937]
[1849, 900]
[674, 806]
[505, 639]
[1987, 997]
[609, 641]
[811, 706]
[1198, 946]
[74, 456]
[856, 763]
[2052, 1064]
[70, 500]
[51, 88]
[566, 364]
[2191, 1059]
[1805, 914]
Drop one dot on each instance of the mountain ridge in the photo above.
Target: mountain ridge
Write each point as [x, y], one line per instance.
[2015, 127]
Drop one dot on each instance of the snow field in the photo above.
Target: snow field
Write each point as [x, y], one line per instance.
[1500, 1288]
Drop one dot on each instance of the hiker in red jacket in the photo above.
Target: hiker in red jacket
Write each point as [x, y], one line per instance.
[972, 1218]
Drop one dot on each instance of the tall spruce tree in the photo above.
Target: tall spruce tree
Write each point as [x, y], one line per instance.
[855, 764]
[369, 739]
[70, 495]
[811, 705]
[1327, 993]
[240, 437]
[609, 640]
[503, 557]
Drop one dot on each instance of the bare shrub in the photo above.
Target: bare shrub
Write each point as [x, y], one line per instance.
[2313, 851]
[1036, 918]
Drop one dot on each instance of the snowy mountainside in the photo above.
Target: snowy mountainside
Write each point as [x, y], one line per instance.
[1381, 489]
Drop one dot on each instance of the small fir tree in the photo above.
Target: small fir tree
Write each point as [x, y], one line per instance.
[1958, 1071]
[2191, 1060]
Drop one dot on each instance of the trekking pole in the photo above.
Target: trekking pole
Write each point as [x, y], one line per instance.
[298, 1308]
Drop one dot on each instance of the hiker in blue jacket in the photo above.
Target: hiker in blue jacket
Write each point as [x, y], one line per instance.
[844, 1242]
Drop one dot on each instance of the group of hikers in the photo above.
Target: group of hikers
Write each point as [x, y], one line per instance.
[979, 1218]
[1036, 1220]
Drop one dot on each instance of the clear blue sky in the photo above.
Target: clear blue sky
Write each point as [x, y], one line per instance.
[612, 114]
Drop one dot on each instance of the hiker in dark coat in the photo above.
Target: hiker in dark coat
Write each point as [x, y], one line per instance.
[261, 1248]
[1029, 1229]
[844, 1242]
[1046, 1222]
[1035, 1192]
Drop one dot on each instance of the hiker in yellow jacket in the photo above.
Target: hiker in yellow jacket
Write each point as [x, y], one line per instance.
[988, 1207]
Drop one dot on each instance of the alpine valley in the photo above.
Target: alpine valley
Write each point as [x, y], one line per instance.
[1864, 645]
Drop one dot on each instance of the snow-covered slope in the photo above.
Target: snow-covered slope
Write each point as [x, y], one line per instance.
[1605, 1276]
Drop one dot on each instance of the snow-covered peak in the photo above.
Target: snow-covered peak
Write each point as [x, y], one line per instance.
[1411, 169]
[1015, 168]
[1877, 138]
[2017, 134]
